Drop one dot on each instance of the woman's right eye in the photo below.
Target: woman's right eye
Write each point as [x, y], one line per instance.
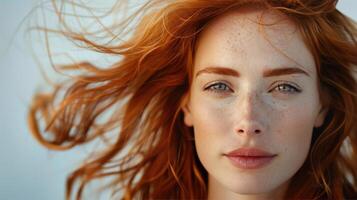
[218, 87]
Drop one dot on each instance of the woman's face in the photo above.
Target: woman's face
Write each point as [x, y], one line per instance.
[254, 87]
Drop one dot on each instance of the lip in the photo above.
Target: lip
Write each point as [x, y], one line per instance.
[250, 158]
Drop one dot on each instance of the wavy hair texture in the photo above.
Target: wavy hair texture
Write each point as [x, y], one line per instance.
[151, 154]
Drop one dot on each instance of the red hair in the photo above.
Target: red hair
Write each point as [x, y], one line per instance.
[151, 153]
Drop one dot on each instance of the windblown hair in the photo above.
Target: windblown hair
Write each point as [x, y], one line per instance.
[151, 154]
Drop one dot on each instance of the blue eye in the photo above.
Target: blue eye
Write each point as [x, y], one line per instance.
[218, 87]
[287, 88]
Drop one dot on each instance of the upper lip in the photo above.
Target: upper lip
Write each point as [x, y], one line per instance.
[252, 152]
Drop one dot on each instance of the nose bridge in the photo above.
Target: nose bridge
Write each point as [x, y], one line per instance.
[249, 104]
[250, 112]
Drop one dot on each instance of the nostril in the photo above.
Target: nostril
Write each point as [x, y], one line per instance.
[255, 131]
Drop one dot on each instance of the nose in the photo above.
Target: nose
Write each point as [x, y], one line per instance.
[249, 128]
[250, 115]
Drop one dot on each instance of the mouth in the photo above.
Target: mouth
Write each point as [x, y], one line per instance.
[250, 158]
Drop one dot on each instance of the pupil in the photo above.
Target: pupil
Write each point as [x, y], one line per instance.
[220, 86]
[284, 87]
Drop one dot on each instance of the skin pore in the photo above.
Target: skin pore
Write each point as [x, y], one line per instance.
[254, 85]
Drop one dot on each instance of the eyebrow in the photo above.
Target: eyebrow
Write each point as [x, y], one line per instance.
[267, 73]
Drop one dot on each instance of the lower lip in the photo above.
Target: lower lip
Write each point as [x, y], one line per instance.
[250, 162]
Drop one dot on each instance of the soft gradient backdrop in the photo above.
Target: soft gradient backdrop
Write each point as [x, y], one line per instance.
[27, 170]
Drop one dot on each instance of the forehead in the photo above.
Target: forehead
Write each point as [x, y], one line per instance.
[252, 36]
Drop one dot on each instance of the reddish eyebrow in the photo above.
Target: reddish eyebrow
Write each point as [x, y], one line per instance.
[267, 73]
[219, 70]
[284, 71]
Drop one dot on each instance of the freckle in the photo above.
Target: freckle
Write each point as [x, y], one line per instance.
[279, 132]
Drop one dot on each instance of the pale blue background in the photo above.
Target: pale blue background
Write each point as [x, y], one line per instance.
[27, 170]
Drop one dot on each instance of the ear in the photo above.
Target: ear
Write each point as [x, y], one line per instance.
[321, 117]
[185, 106]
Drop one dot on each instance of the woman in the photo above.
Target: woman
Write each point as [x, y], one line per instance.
[216, 100]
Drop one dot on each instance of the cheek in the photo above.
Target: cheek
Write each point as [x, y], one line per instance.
[294, 134]
[295, 123]
[209, 120]
[211, 126]
[210, 116]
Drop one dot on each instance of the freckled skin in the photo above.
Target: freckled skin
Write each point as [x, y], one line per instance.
[285, 120]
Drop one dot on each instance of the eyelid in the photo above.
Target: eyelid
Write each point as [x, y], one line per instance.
[288, 83]
[209, 85]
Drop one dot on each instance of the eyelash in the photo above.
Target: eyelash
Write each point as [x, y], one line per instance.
[290, 87]
[210, 87]
[228, 89]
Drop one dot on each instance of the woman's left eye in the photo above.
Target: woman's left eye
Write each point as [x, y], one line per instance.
[286, 88]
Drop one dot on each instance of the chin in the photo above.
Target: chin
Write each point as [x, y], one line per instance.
[251, 187]
[251, 190]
